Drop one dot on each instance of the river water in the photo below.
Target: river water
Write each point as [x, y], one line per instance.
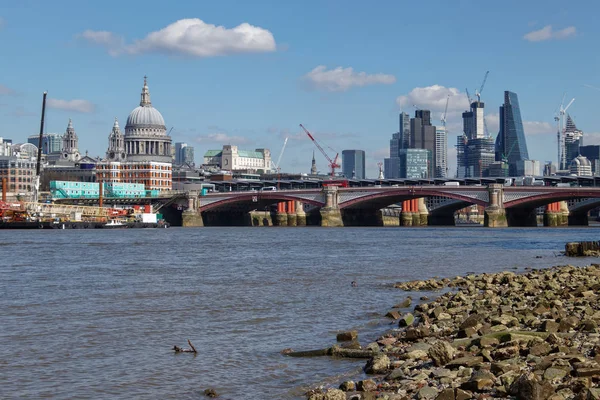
[95, 313]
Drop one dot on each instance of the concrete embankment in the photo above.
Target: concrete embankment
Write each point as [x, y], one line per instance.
[504, 335]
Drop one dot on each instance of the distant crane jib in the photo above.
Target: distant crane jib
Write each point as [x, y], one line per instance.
[332, 163]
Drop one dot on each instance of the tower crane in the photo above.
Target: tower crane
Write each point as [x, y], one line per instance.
[445, 112]
[468, 96]
[560, 135]
[478, 93]
[333, 164]
[276, 166]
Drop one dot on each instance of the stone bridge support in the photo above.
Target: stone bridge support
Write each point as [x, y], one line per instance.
[300, 214]
[192, 217]
[291, 213]
[495, 214]
[330, 214]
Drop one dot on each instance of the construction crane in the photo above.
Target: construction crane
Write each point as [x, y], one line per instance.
[333, 164]
[445, 112]
[468, 96]
[560, 134]
[276, 166]
[478, 93]
[36, 179]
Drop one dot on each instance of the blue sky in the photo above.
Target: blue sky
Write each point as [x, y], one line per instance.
[248, 72]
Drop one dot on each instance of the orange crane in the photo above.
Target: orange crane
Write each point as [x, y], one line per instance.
[333, 164]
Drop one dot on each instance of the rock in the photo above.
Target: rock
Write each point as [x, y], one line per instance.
[487, 341]
[549, 325]
[588, 371]
[393, 314]
[347, 336]
[334, 394]
[395, 374]
[540, 349]
[588, 325]
[468, 361]
[211, 393]
[378, 364]
[427, 392]
[527, 387]
[461, 394]
[555, 374]
[446, 394]
[366, 385]
[404, 304]
[348, 386]
[406, 320]
[466, 332]
[441, 353]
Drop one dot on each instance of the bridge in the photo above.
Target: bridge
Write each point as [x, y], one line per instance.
[361, 206]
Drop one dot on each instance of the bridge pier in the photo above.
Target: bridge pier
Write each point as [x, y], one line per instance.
[406, 217]
[423, 212]
[261, 218]
[300, 214]
[191, 217]
[291, 213]
[495, 214]
[281, 218]
[330, 214]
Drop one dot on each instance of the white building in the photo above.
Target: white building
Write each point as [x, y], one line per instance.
[528, 168]
[232, 159]
[581, 166]
[441, 152]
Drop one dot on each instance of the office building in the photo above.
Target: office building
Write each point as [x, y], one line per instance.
[479, 154]
[510, 143]
[51, 142]
[353, 164]
[592, 153]
[528, 168]
[184, 154]
[404, 131]
[573, 140]
[414, 163]
[423, 136]
[391, 168]
[230, 158]
[441, 152]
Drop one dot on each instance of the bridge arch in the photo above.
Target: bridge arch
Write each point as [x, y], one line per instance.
[385, 198]
[542, 199]
[254, 200]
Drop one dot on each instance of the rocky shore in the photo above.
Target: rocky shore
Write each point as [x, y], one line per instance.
[526, 336]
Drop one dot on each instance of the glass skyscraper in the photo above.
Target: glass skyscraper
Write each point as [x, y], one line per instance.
[353, 163]
[510, 143]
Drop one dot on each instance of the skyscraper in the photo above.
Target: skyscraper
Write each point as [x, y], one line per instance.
[353, 164]
[441, 152]
[51, 142]
[423, 136]
[510, 143]
[404, 130]
[184, 154]
[573, 141]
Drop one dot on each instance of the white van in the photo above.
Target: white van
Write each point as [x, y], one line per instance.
[268, 189]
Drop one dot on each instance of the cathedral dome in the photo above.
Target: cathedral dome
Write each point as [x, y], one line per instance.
[145, 116]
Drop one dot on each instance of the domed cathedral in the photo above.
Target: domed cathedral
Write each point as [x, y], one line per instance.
[146, 136]
[116, 144]
[70, 150]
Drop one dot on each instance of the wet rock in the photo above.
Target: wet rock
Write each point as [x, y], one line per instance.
[347, 336]
[405, 303]
[348, 386]
[379, 364]
[211, 393]
[406, 320]
[441, 353]
[366, 385]
[393, 314]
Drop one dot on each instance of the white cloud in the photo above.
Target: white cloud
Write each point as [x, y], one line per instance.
[4, 90]
[113, 43]
[341, 79]
[434, 98]
[77, 105]
[538, 127]
[546, 33]
[591, 138]
[190, 37]
[221, 138]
